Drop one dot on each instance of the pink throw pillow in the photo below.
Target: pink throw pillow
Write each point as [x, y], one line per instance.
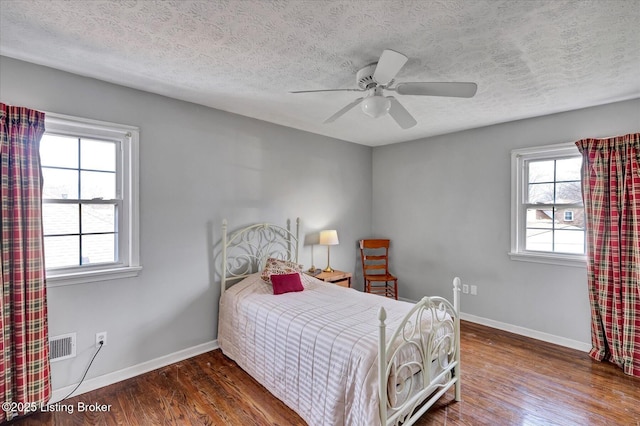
[286, 283]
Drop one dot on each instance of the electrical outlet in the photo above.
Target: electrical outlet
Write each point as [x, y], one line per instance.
[465, 288]
[101, 337]
[474, 290]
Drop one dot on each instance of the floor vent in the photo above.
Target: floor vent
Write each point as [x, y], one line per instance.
[62, 347]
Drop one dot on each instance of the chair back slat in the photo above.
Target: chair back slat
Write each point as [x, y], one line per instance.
[375, 243]
[373, 257]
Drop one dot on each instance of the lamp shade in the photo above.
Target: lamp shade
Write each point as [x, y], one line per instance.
[376, 106]
[329, 237]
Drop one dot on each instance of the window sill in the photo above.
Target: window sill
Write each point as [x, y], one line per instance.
[84, 277]
[575, 261]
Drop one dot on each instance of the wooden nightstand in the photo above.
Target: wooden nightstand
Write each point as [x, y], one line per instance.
[340, 278]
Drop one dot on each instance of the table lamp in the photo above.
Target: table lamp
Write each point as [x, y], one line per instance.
[328, 238]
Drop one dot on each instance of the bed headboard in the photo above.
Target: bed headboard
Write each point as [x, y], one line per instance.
[245, 251]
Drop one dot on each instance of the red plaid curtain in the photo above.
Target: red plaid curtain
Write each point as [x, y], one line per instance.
[24, 346]
[611, 193]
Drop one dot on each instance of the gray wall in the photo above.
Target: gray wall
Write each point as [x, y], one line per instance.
[197, 166]
[445, 202]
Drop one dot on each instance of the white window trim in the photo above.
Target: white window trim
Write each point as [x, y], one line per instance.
[130, 136]
[518, 217]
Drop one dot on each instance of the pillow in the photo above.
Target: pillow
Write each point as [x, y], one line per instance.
[278, 267]
[286, 283]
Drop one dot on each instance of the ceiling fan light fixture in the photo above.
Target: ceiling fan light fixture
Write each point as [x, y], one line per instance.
[376, 106]
[380, 76]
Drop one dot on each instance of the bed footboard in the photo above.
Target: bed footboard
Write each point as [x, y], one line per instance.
[421, 360]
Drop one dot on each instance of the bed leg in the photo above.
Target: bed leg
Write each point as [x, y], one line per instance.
[458, 386]
[456, 302]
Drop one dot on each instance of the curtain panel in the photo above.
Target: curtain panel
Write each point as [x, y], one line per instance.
[24, 346]
[611, 193]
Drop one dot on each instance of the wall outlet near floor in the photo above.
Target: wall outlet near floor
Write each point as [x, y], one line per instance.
[474, 290]
[465, 288]
[101, 337]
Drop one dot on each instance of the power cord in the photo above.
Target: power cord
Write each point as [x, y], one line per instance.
[85, 373]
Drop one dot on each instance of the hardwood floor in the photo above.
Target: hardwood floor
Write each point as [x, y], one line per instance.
[506, 380]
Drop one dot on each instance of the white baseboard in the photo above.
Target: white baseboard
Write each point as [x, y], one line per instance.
[527, 332]
[135, 370]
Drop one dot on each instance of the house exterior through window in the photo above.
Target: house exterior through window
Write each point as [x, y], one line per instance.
[90, 200]
[547, 217]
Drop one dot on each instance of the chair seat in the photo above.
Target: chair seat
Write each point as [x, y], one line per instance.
[380, 277]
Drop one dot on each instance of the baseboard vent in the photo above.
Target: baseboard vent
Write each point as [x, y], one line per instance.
[62, 347]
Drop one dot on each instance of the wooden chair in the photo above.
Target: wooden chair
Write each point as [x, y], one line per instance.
[375, 268]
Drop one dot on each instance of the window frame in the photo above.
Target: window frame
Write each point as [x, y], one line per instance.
[519, 181]
[128, 264]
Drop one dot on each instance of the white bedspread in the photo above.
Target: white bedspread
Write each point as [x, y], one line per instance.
[315, 350]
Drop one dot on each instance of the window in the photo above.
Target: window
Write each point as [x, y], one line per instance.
[89, 200]
[547, 211]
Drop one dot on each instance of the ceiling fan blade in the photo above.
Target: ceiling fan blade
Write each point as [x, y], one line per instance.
[389, 64]
[343, 111]
[458, 90]
[328, 90]
[400, 114]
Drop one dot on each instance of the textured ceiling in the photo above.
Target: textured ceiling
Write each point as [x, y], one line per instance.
[528, 57]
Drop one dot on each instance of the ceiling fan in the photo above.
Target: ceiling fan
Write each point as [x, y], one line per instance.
[379, 76]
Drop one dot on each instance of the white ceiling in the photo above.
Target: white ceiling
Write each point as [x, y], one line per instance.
[528, 57]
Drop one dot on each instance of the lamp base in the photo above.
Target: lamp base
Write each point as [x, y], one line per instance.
[328, 269]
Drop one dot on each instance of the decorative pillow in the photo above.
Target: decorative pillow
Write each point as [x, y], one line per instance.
[278, 267]
[286, 283]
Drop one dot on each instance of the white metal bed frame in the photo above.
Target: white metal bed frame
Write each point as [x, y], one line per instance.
[431, 328]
